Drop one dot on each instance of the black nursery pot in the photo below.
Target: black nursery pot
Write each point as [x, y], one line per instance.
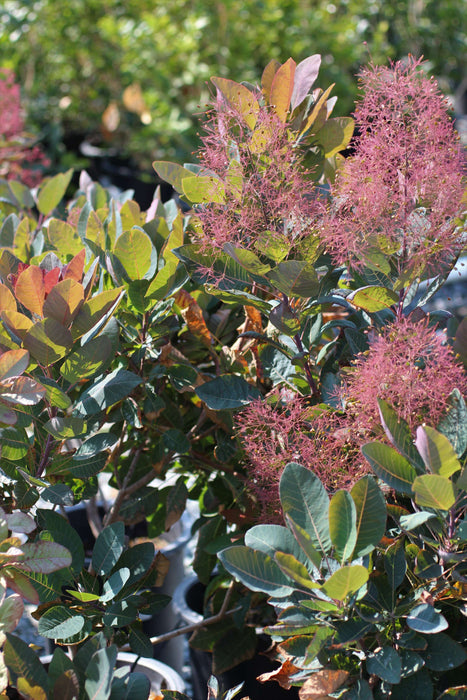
[188, 604]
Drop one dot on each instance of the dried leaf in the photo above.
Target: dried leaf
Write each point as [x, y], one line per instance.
[321, 684]
[193, 316]
[281, 674]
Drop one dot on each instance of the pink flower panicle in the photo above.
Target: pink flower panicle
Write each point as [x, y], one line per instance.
[401, 192]
[273, 435]
[267, 188]
[16, 148]
[410, 366]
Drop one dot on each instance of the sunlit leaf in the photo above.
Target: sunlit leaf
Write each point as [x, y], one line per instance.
[52, 191]
[240, 98]
[282, 88]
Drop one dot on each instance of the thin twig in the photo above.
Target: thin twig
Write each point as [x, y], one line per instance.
[124, 490]
[218, 617]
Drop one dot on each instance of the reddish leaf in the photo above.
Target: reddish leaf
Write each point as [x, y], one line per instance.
[75, 268]
[51, 278]
[30, 289]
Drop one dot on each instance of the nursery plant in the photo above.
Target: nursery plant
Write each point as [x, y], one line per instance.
[334, 261]
[284, 310]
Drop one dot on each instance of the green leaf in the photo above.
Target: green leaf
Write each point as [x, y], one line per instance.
[94, 445]
[390, 466]
[95, 313]
[256, 570]
[64, 237]
[114, 584]
[120, 614]
[418, 686]
[442, 653]
[295, 571]
[437, 452]
[335, 135]
[22, 662]
[59, 494]
[140, 643]
[173, 173]
[134, 250]
[373, 299]
[304, 542]
[305, 501]
[454, 423]
[343, 524]
[414, 520]
[426, 565]
[167, 281]
[65, 428]
[345, 581]
[87, 361]
[204, 189]
[13, 363]
[54, 395]
[15, 443]
[395, 564]
[108, 548]
[59, 622]
[99, 673]
[227, 391]
[434, 491]
[53, 191]
[425, 619]
[48, 341]
[386, 664]
[398, 432]
[247, 259]
[113, 388]
[295, 278]
[371, 515]
[276, 538]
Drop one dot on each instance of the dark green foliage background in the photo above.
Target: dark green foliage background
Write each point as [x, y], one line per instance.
[91, 50]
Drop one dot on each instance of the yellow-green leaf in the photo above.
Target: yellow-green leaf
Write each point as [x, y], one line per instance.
[345, 581]
[335, 135]
[133, 249]
[53, 191]
[434, 491]
[239, 97]
[282, 88]
[204, 189]
[7, 300]
[64, 237]
[48, 341]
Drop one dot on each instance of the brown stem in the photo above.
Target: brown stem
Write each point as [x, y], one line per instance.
[125, 489]
[218, 617]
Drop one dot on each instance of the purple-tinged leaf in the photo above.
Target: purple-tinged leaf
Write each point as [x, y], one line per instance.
[45, 557]
[305, 75]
